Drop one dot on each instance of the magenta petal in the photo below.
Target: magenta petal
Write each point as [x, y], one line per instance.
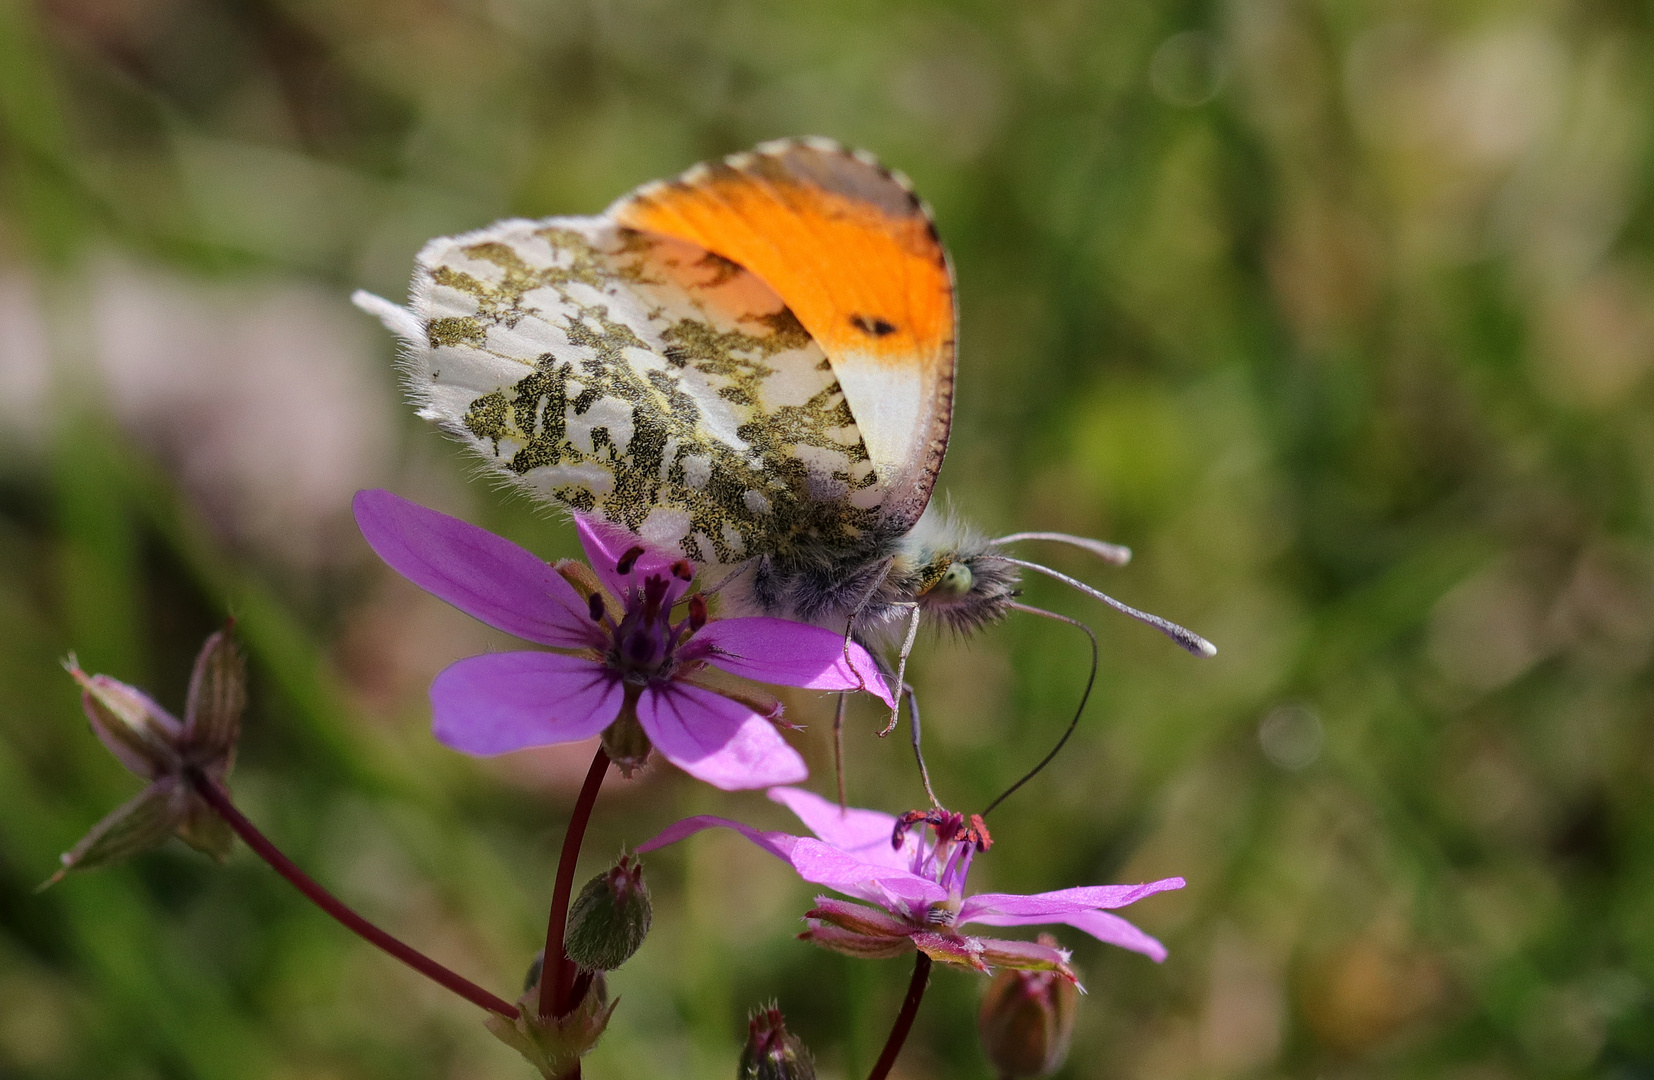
[776, 843]
[818, 863]
[715, 739]
[1102, 925]
[863, 833]
[486, 576]
[605, 542]
[892, 888]
[790, 654]
[498, 702]
[1054, 905]
[1113, 930]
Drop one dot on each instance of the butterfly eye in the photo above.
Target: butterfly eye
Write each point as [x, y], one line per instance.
[956, 580]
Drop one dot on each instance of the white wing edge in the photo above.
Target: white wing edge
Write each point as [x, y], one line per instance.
[397, 319]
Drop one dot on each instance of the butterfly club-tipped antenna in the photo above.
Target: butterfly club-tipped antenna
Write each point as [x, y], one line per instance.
[1187, 639]
[1113, 554]
[1090, 681]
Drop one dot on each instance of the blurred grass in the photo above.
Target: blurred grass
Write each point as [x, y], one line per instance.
[1341, 316]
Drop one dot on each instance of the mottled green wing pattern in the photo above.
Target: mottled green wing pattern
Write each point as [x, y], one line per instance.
[640, 378]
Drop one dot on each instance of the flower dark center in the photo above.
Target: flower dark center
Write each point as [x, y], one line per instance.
[643, 645]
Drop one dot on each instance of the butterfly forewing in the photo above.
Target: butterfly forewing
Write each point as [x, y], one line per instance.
[854, 254]
[645, 379]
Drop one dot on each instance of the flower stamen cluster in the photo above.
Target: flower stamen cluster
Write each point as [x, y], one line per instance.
[643, 644]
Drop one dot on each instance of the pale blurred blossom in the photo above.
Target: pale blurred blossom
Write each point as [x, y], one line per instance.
[268, 399]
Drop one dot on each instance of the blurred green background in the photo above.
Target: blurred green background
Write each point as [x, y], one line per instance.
[1340, 314]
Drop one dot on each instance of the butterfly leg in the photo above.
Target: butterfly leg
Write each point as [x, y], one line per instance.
[919, 754]
[838, 746]
[856, 613]
[901, 668]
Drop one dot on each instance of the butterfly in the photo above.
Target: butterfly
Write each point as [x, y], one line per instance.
[752, 363]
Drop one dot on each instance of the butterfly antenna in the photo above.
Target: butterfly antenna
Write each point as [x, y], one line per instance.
[1190, 641]
[734, 573]
[1113, 554]
[1091, 680]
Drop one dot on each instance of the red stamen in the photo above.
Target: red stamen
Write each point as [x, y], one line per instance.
[628, 560]
[594, 605]
[906, 822]
[697, 612]
[682, 570]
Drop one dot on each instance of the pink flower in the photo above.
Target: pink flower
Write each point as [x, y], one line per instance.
[629, 669]
[914, 878]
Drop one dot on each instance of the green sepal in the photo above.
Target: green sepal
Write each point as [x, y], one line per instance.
[206, 832]
[140, 824]
[217, 698]
[555, 1045]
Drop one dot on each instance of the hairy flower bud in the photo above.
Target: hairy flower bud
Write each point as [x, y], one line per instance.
[772, 1052]
[610, 917]
[1027, 1021]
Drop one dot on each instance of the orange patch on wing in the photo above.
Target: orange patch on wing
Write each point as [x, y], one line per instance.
[852, 252]
[863, 277]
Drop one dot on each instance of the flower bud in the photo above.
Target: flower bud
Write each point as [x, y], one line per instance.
[772, 1052]
[610, 917]
[173, 755]
[143, 736]
[1027, 1021]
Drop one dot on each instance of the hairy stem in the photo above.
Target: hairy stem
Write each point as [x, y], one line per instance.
[558, 971]
[904, 1019]
[219, 799]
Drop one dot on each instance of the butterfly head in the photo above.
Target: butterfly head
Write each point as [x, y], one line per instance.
[965, 587]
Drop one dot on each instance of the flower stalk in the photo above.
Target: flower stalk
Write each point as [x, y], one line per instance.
[219, 799]
[559, 974]
[904, 1019]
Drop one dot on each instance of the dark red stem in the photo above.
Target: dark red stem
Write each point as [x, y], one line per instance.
[904, 1019]
[558, 971]
[219, 799]
[577, 989]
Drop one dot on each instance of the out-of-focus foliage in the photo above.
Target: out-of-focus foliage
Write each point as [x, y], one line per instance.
[1340, 314]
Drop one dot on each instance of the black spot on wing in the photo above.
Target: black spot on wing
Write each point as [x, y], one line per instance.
[873, 327]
